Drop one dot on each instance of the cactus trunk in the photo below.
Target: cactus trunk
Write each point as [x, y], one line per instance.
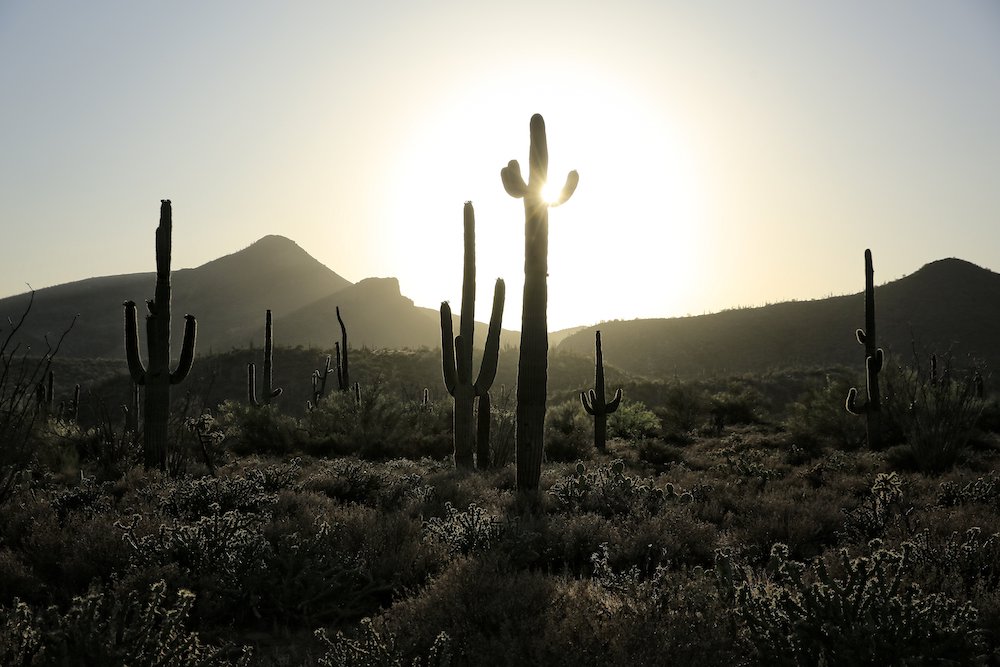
[343, 374]
[456, 353]
[874, 358]
[594, 402]
[157, 377]
[483, 432]
[269, 392]
[532, 366]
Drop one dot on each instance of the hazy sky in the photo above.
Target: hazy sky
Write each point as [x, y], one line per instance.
[730, 153]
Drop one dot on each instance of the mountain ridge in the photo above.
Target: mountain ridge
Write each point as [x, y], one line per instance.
[949, 306]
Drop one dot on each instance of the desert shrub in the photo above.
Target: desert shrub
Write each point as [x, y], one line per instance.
[502, 420]
[658, 452]
[968, 559]
[729, 408]
[188, 498]
[102, 628]
[934, 417]
[378, 426]
[569, 432]
[492, 614]
[804, 614]
[350, 480]
[633, 421]
[819, 417]
[683, 408]
[631, 618]
[982, 490]
[258, 430]
[608, 491]
[220, 555]
[472, 530]
[374, 646]
[310, 579]
[21, 413]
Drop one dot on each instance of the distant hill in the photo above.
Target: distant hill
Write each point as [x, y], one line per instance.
[229, 296]
[947, 306]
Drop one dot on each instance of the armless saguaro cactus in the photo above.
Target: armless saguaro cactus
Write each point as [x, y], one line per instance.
[269, 392]
[873, 364]
[157, 376]
[456, 353]
[594, 402]
[532, 365]
[343, 376]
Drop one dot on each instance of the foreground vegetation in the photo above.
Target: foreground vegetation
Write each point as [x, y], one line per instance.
[727, 523]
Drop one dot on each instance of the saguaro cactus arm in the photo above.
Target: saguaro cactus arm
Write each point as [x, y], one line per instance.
[538, 167]
[448, 349]
[187, 350]
[135, 367]
[491, 354]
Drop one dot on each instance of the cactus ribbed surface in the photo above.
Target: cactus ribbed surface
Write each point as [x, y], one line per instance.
[157, 377]
[594, 402]
[456, 353]
[532, 366]
[874, 358]
[269, 393]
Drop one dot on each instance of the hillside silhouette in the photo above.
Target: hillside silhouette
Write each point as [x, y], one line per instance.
[949, 306]
[229, 296]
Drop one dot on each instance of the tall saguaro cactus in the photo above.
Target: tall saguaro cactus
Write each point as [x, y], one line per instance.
[873, 363]
[456, 353]
[594, 402]
[268, 393]
[157, 376]
[532, 366]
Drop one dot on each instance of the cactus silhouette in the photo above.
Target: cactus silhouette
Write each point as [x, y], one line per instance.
[269, 393]
[532, 365]
[157, 376]
[70, 410]
[874, 358]
[319, 384]
[456, 352]
[45, 393]
[594, 402]
[343, 376]
[483, 423]
[131, 411]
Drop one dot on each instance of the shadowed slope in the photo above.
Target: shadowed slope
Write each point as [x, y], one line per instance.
[947, 305]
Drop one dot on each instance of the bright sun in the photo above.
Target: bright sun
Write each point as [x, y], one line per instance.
[552, 189]
[630, 231]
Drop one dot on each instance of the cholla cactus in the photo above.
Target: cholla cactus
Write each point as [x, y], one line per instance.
[532, 366]
[158, 377]
[595, 404]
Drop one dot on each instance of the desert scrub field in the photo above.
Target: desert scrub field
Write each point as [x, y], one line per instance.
[745, 543]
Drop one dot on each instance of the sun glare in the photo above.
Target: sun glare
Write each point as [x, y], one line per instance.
[634, 215]
[551, 191]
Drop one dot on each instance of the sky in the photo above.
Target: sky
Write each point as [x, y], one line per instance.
[730, 154]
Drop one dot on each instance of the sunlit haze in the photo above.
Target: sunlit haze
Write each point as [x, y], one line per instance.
[730, 153]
